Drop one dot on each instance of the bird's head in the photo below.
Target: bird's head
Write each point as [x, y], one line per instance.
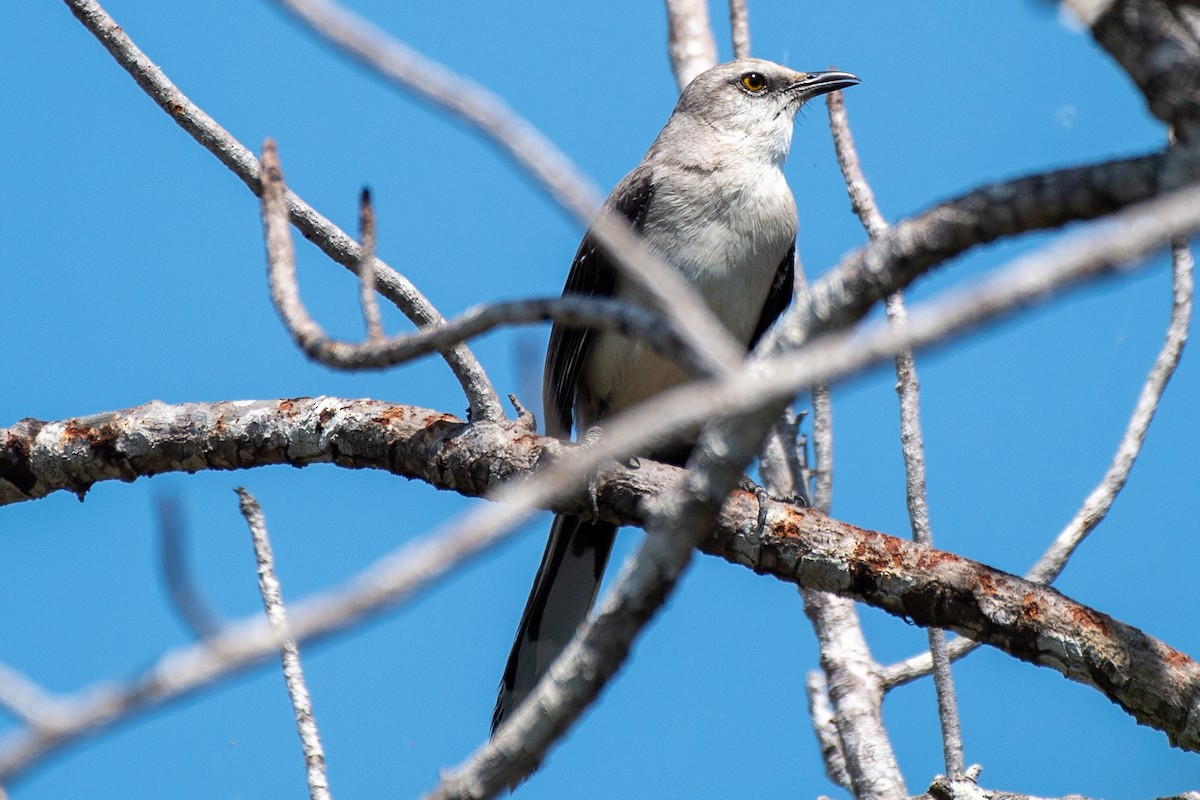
[755, 101]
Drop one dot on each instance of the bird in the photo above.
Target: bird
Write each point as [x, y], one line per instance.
[710, 199]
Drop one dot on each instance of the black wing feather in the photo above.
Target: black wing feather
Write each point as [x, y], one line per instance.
[592, 275]
[779, 296]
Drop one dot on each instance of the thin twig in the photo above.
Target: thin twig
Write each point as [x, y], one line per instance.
[530, 150]
[690, 43]
[600, 313]
[822, 442]
[366, 266]
[1098, 503]
[864, 758]
[908, 390]
[1101, 499]
[739, 28]
[185, 598]
[484, 402]
[782, 460]
[289, 651]
[823, 724]
[862, 199]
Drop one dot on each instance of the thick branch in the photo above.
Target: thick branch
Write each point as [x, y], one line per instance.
[913, 246]
[1159, 686]
[1156, 42]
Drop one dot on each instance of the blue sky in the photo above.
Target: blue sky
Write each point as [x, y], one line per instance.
[132, 270]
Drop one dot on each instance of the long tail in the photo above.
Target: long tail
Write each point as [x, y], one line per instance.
[562, 595]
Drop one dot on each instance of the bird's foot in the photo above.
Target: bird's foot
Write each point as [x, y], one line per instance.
[592, 437]
[764, 497]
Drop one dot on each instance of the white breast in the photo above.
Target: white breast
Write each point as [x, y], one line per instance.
[728, 239]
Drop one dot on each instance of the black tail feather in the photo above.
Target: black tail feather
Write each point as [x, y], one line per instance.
[562, 595]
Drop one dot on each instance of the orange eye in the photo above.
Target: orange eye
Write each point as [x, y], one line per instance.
[754, 82]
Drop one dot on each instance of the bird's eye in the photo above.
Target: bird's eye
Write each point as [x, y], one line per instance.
[754, 82]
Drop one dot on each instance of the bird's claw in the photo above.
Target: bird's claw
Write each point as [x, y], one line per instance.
[764, 498]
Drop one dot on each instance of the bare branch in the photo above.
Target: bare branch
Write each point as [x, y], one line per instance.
[38, 458]
[1097, 504]
[1152, 681]
[1039, 624]
[379, 353]
[690, 42]
[1160, 52]
[407, 69]
[581, 671]
[912, 443]
[862, 201]
[822, 441]
[366, 267]
[185, 598]
[485, 404]
[289, 651]
[867, 760]
[823, 725]
[856, 695]
[739, 28]
[913, 246]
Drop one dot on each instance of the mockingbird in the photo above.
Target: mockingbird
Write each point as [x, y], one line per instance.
[709, 198]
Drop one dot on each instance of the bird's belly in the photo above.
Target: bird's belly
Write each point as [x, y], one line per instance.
[621, 372]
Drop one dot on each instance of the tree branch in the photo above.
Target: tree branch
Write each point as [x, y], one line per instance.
[484, 402]
[1156, 684]
[739, 28]
[913, 246]
[367, 230]
[864, 755]
[1154, 43]
[912, 443]
[548, 166]
[1098, 503]
[289, 650]
[378, 353]
[690, 43]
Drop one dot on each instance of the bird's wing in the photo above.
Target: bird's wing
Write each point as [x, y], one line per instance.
[778, 297]
[592, 275]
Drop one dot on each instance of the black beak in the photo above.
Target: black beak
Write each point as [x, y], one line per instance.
[815, 84]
